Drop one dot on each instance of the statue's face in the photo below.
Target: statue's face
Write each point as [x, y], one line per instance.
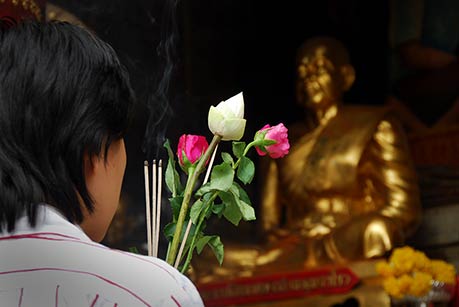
[319, 81]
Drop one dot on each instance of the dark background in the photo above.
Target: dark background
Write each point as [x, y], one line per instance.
[201, 52]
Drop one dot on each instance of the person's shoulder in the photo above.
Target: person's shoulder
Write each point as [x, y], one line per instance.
[151, 267]
[81, 268]
[166, 279]
[152, 276]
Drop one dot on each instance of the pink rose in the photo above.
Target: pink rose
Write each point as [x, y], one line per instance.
[278, 134]
[190, 149]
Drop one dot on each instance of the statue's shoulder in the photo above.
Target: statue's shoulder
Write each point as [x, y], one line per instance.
[364, 115]
[365, 110]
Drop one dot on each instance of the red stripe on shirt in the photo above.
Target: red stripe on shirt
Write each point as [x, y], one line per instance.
[95, 300]
[20, 297]
[37, 235]
[175, 301]
[80, 272]
[56, 303]
[65, 238]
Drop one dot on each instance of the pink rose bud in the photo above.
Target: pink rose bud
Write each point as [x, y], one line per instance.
[190, 149]
[278, 134]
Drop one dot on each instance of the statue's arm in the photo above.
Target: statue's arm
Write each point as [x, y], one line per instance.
[395, 175]
[391, 191]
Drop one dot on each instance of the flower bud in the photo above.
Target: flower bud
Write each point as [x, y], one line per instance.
[227, 118]
[279, 135]
[190, 149]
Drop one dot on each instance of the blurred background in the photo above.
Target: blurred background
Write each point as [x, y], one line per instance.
[184, 56]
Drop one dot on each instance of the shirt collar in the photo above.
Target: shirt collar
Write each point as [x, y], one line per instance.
[49, 220]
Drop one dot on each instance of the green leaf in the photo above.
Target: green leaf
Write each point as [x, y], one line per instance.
[247, 211]
[172, 177]
[246, 170]
[169, 230]
[201, 243]
[204, 190]
[193, 229]
[261, 141]
[218, 209]
[243, 203]
[214, 243]
[227, 158]
[241, 192]
[218, 248]
[196, 210]
[238, 149]
[176, 204]
[209, 212]
[267, 142]
[133, 250]
[222, 177]
[231, 212]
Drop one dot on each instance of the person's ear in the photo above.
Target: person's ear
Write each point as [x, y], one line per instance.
[348, 74]
[92, 164]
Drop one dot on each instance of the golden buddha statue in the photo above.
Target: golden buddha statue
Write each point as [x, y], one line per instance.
[346, 191]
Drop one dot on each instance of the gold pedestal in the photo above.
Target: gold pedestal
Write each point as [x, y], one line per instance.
[321, 287]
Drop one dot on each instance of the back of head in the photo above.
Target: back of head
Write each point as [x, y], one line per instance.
[63, 95]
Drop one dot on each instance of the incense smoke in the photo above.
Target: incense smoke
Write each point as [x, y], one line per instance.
[159, 102]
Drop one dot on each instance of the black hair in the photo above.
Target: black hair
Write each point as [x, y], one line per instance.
[64, 95]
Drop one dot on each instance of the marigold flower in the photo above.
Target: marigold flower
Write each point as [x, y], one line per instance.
[384, 269]
[391, 286]
[227, 118]
[421, 262]
[421, 284]
[411, 272]
[443, 271]
[402, 260]
[190, 149]
[276, 133]
[404, 283]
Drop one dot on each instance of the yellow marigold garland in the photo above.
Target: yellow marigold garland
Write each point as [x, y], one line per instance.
[411, 272]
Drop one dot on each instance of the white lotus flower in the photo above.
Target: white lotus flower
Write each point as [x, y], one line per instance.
[227, 118]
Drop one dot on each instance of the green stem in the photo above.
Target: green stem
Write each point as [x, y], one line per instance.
[251, 144]
[195, 235]
[186, 199]
[191, 171]
[246, 150]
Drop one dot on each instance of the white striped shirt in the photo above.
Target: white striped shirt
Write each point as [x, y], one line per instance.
[56, 265]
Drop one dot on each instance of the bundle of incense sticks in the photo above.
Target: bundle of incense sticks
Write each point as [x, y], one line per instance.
[153, 204]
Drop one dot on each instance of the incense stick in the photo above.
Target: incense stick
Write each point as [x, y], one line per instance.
[153, 210]
[147, 208]
[188, 227]
[158, 208]
[211, 162]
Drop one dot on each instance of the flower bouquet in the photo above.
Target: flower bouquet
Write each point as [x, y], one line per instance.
[410, 277]
[220, 193]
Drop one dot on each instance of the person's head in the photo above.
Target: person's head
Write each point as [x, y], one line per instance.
[65, 104]
[324, 72]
